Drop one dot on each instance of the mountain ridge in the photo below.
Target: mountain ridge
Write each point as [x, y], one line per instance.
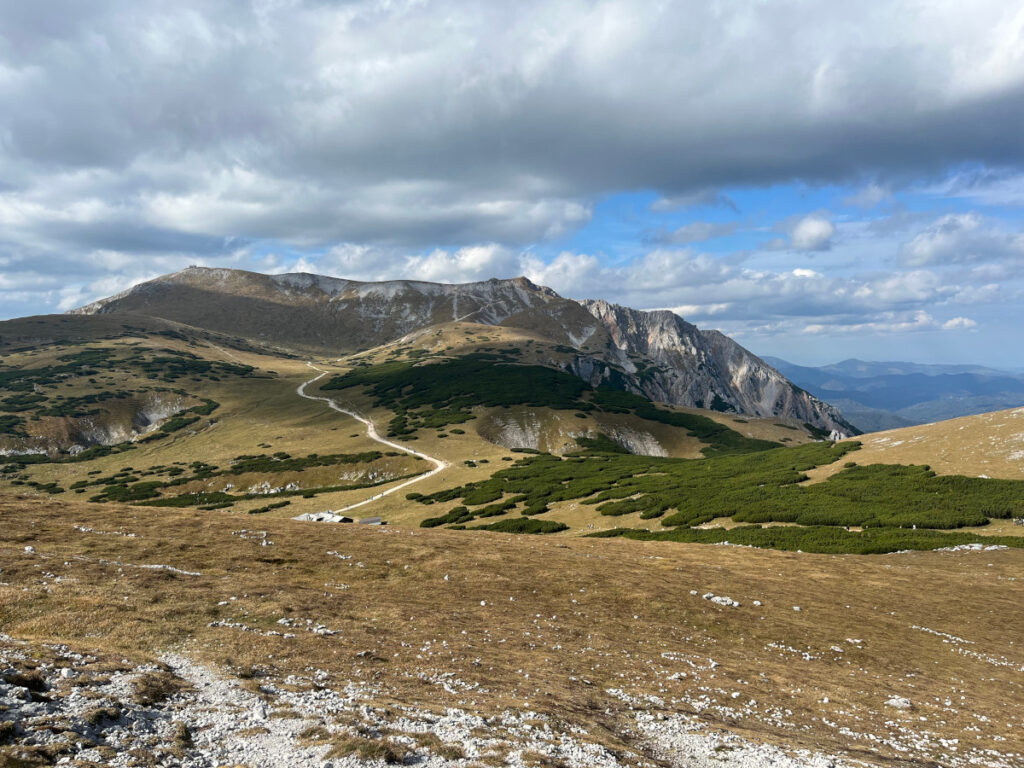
[653, 353]
[889, 395]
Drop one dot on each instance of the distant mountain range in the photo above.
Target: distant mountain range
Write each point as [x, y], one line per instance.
[887, 395]
[655, 354]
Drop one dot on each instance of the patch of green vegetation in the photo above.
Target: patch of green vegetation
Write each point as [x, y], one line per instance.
[124, 485]
[76, 407]
[12, 425]
[269, 507]
[192, 499]
[171, 365]
[26, 379]
[720, 405]
[524, 525]
[123, 492]
[600, 443]
[817, 432]
[457, 515]
[22, 402]
[284, 463]
[184, 419]
[176, 423]
[208, 407]
[438, 394]
[757, 487]
[823, 539]
[203, 498]
[45, 487]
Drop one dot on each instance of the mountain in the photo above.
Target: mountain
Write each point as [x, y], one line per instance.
[855, 368]
[656, 354]
[888, 395]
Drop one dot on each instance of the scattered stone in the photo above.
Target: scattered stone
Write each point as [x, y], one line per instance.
[721, 600]
[899, 702]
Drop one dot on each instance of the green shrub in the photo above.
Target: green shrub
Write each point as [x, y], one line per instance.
[822, 539]
[524, 525]
[756, 487]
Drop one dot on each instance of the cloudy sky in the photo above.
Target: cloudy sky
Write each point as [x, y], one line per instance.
[819, 181]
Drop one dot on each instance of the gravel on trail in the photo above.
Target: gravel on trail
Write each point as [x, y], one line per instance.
[73, 709]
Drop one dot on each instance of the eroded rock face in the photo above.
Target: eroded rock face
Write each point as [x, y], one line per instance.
[130, 419]
[556, 432]
[636, 441]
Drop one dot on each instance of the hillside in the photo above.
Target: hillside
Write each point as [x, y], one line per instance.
[988, 445]
[463, 425]
[656, 354]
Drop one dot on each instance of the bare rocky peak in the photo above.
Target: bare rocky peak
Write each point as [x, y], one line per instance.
[307, 287]
[707, 369]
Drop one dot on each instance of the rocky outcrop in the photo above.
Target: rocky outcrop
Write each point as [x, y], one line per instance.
[127, 420]
[667, 359]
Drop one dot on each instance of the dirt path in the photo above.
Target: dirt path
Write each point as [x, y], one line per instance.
[371, 432]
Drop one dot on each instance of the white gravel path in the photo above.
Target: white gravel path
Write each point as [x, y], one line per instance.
[371, 432]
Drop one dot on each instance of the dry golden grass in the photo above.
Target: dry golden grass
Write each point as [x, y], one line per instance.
[990, 444]
[546, 623]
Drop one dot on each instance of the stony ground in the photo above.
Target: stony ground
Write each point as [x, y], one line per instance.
[175, 637]
[66, 708]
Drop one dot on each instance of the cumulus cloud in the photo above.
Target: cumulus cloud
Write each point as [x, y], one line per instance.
[812, 233]
[890, 323]
[963, 238]
[957, 323]
[696, 232]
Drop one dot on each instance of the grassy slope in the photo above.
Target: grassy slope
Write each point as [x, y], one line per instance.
[990, 444]
[585, 616]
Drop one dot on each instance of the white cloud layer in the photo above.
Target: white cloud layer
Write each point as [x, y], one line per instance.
[441, 139]
[448, 122]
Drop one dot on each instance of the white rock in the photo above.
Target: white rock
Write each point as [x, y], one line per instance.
[899, 702]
